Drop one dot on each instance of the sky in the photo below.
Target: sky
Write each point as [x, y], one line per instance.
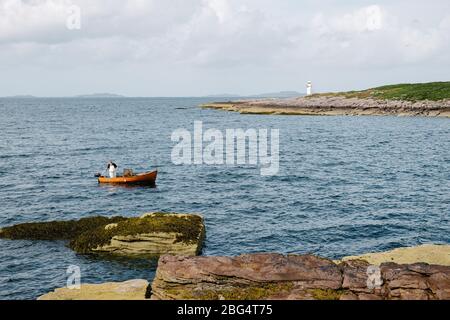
[203, 47]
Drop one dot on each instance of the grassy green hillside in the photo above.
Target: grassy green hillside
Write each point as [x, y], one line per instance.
[411, 92]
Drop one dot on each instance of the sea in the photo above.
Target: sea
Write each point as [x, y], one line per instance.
[346, 185]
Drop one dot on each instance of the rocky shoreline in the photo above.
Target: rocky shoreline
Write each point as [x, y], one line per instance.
[335, 105]
[426, 253]
[421, 272]
[425, 276]
[273, 276]
[135, 289]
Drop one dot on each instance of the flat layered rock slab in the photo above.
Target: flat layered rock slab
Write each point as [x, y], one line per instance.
[428, 253]
[331, 105]
[148, 236]
[151, 235]
[295, 277]
[246, 277]
[128, 290]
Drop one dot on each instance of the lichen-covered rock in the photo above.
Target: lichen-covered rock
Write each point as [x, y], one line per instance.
[151, 235]
[128, 290]
[299, 277]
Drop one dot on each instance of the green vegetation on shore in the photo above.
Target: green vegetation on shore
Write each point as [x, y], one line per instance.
[244, 292]
[413, 92]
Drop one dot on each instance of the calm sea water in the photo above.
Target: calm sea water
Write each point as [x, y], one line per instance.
[347, 185]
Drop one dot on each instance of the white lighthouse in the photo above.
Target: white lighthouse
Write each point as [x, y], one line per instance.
[308, 88]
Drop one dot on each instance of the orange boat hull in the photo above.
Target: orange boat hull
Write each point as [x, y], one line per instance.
[148, 178]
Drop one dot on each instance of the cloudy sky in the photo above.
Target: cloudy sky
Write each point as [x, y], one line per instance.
[201, 47]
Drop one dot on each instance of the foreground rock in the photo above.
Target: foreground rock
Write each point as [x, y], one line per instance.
[128, 290]
[429, 253]
[151, 235]
[299, 277]
[335, 105]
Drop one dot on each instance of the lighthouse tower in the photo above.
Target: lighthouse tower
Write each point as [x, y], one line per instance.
[308, 88]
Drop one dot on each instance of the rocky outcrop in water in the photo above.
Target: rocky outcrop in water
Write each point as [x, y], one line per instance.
[128, 290]
[181, 234]
[151, 235]
[298, 277]
[336, 105]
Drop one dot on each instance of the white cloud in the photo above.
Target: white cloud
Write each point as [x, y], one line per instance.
[361, 20]
[221, 9]
[373, 36]
[236, 36]
[31, 20]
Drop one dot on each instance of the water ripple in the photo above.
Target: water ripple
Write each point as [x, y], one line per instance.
[347, 185]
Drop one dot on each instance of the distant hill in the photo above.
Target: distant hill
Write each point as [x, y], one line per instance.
[433, 91]
[100, 95]
[22, 96]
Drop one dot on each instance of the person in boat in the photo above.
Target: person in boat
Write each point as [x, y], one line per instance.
[112, 169]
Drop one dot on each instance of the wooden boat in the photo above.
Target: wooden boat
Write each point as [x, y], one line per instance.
[146, 178]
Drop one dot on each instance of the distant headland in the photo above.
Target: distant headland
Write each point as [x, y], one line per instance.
[419, 99]
[93, 95]
[100, 95]
[21, 96]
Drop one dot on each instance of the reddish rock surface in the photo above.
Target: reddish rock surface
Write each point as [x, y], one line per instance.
[276, 276]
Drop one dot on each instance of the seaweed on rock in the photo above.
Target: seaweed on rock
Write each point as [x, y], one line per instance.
[88, 234]
[186, 227]
[56, 230]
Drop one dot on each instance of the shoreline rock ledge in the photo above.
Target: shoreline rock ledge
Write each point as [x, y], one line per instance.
[429, 253]
[135, 289]
[295, 277]
[321, 105]
[148, 236]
